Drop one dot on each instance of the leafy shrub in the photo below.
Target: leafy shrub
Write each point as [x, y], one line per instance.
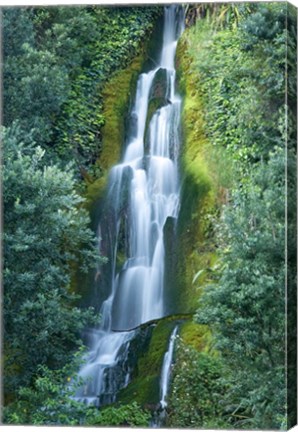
[49, 401]
[198, 390]
[45, 233]
[55, 68]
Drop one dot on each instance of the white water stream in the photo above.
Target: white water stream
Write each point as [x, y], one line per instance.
[150, 182]
[166, 369]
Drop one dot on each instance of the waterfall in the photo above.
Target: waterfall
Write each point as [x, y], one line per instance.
[166, 370]
[143, 191]
[160, 415]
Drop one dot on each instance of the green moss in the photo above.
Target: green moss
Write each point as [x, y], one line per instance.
[121, 258]
[157, 98]
[144, 387]
[199, 192]
[116, 98]
[195, 335]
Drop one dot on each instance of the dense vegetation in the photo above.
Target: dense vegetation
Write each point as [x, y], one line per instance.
[57, 61]
[234, 62]
[45, 233]
[239, 56]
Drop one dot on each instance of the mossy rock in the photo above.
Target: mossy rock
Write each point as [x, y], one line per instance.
[171, 293]
[149, 349]
[195, 246]
[159, 85]
[195, 335]
[145, 385]
[157, 99]
[158, 93]
[116, 104]
[154, 46]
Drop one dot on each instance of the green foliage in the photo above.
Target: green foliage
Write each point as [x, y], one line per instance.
[120, 32]
[17, 30]
[195, 335]
[49, 401]
[241, 79]
[45, 233]
[56, 65]
[264, 23]
[35, 88]
[246, 309]
[126, 415]
[197, 390]
[205, 175]
[57, 62]
[226, 15]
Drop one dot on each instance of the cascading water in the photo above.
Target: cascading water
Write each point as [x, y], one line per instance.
[160, 415]
[143, 192]
[166, 370]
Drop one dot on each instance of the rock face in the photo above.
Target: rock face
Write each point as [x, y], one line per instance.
[171, 264]
[159, 86]
[147, 353]
[157, 97]
[195, 246]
